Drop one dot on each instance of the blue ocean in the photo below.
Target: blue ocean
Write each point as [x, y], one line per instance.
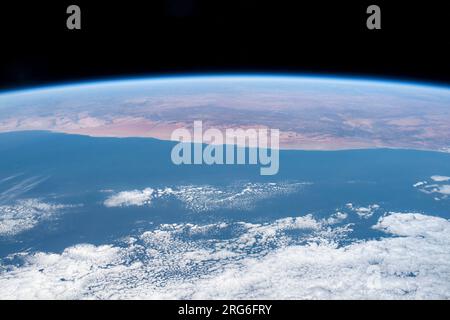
[60, 191]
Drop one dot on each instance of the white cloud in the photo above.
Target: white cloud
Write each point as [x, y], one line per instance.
[257, 261]
[415, 225]
[19, 188]
[420, 183]
[438, 189]
[130, 198]
[59, 276]
[243, 197]
[440, 178]
[363, 212]
[204, 197]
[337, 217]
[444, 189]
[24, 215]
[8, 178]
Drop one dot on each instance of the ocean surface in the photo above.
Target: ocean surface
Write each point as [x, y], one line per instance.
[61, 193]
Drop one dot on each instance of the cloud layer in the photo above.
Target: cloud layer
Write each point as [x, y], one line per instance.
[200, 198]
[440, 178]
[363, 212]
[437, 187]
[289, 258]
[23, 215]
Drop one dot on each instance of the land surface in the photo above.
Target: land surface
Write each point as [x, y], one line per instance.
[310, 114]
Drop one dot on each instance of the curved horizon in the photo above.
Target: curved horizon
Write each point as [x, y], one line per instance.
[311, 112]
[223, 76]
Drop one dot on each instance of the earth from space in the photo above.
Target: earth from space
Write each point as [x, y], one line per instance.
[92, 207]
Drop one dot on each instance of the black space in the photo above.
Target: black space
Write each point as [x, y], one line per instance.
[152, 37]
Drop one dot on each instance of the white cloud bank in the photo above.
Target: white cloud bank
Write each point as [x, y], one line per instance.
[205, 198]
[444, 189]
[437, 187]
[130, 198]
[23, 215]
[363, 212]
[259, 261]
[440, 178]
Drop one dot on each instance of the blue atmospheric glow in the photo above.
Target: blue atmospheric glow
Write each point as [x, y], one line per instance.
[226, 76]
